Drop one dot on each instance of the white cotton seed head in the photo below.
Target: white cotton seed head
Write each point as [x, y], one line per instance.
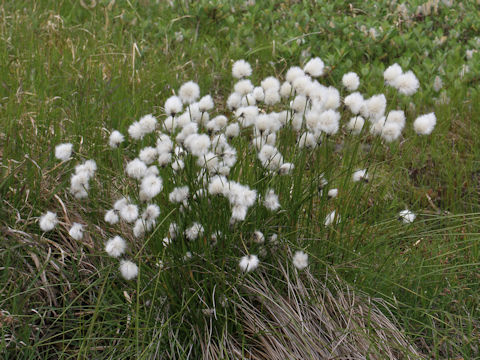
[374, 108]
[189, 92]
[136, 131]
[129, 213]
[170, 124]
[76, 231]
[136, 169]
[48, 221]
[271, 200]
[407, 83]
[258, 237]
[121, 203]
[286, 169]
[173, 106]
[217, 185]
[183, 119]
[148, 123]
[397, 117]
[301, 84]
[332, 193]
[128, 269]
[239, 213]
[329, 122]
[148, 155]
[248, 263]
[111, 217]
[355, 125]
[258, 93]
[248, 100]
[79, 184]
[300, 260]
[243, 87]
[299, 103]
[307, 140]
[407, 216]
[178, 165]
[391, 131]
[205, 103]
[331, 98]
[115, 247]
[164, 159]
[351, 81]
[293, 73]
[139, 228]
[314, 67]
[246, 115]
[178, 194]
[354, 102]
[392, 73]
[198, 144]
[151, 212]
[151, 186]
[424, 125]
[286, 90]
[270, 84]
[270, 157]
[220, 121]
[194, 231]
[152, 170]
[164, 144]
[63, 152]
[272, 97]
[332, 218]
[234, 101]
[241, 69]
[115, 139]
[360, 175]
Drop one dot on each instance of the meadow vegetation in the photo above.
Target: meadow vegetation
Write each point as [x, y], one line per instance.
[220, 269]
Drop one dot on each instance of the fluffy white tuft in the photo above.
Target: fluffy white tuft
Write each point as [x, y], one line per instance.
[314, 67]
[76, 231]
[194, 231]
[241, 69]
[115, 139]
[48, 221]
[407, 83]
[300, 260]
[189, 92]
[407, 216]
[128, 269]
[136, 169]
[63, 152]
[271, 200]
[173, 106]
[355, 125]
[248, 263]
[115, 247]
[360, 175]
[424, 125]
[351, 81]
[392, 73]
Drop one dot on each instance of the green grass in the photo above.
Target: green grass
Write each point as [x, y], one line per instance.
[71, 74]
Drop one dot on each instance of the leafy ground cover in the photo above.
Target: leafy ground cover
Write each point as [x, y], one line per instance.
[73, 72]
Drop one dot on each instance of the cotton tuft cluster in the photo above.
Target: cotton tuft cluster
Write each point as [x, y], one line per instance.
[194, 161]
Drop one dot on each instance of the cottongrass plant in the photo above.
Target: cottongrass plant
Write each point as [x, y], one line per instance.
[208, 189]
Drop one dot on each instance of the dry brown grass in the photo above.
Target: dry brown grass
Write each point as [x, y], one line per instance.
[308, 319]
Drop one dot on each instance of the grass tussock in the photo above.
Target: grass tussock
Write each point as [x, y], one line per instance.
[309, 319]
